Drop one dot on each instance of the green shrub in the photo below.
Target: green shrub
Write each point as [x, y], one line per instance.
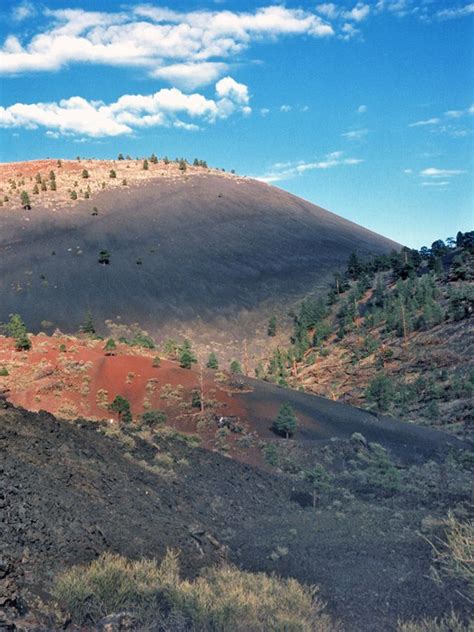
[4, 371]
[154, 418]
[285, 424]
[448, 624]
[221, 599]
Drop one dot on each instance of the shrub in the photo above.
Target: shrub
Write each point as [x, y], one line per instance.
[220, 599]
[85, 174]
[272, 326]
[381, 392]
[25, 198]
[235, 367]
[145, 165]
[73, 195]
[153, 418]
[16, 329]
[456, 554]
[4, 372]
[156, 362]
[112, 174]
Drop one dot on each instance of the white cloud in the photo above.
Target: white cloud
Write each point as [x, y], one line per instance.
[356, 134]
[23, 11]
[408, 171]
[189, 48]
[434, 172]
[287, 170]
[431, 121]
[456, 12]
[435, 184]
[362, 109]
[130, 112]
[191, 75]
[447, 123]
[264, 111]
[285, 108]
[359, 13]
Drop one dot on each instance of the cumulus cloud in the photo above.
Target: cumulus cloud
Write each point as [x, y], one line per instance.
[362, 109]
[166, 107]
[23, 11]
[287, 170]
[186, 48]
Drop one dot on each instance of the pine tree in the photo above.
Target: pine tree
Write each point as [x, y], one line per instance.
[235, 367]
[212, 362]
[145, 165]
[88, 326]
[35, 189]
[110, 347]
[186, 356]
[182, 165]
[112, 174]
[73, 195]
[286, 422]
[120, 157]
[272, 326]
[122, 407]
[16, 329]
[85, 174]
[153, 159]
[25, 199]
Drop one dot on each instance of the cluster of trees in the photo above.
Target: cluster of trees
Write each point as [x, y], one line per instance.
[153, 159]
[396, 293]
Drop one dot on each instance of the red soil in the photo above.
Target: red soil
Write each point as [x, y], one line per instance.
[82, 381]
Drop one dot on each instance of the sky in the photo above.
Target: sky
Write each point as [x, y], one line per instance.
[364, 108]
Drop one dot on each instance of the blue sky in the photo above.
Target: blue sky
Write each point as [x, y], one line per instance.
[365, 108]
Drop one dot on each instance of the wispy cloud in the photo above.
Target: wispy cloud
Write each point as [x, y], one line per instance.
[130, 112]
[456, 12]
[362, 109]
[355, 134]
[434, 172]
[288, 170]
[285, 108]
[446, 123]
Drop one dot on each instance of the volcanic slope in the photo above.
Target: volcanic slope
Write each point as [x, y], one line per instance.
[202, 252]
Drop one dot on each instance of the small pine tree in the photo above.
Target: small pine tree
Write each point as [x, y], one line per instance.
[85, 174]
[166, 160]
[272, 326]
[212, 362]
[186, 356]
[286, 422]
[35, 189]
[38, 178]
[43, 185]
[104, 257]
[88, 326]
[60, 164]
[153, 159]
[124, 182]
[182, 165]
[52, 185]
[121, 406]
[25, 198]
[110, 347]
[112, 174]
[145, 165]
[52, 175]
[235, 367]
[73, 195]
[16, 329]
[120, 157]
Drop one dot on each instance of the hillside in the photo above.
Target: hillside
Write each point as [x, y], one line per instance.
[198, 251]
[394, 336]
[73, 490]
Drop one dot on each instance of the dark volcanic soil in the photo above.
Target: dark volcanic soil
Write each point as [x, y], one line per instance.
[68, 493]
[218, 255]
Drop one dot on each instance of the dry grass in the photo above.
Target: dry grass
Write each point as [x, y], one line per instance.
[221, 599]
[451, 623]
